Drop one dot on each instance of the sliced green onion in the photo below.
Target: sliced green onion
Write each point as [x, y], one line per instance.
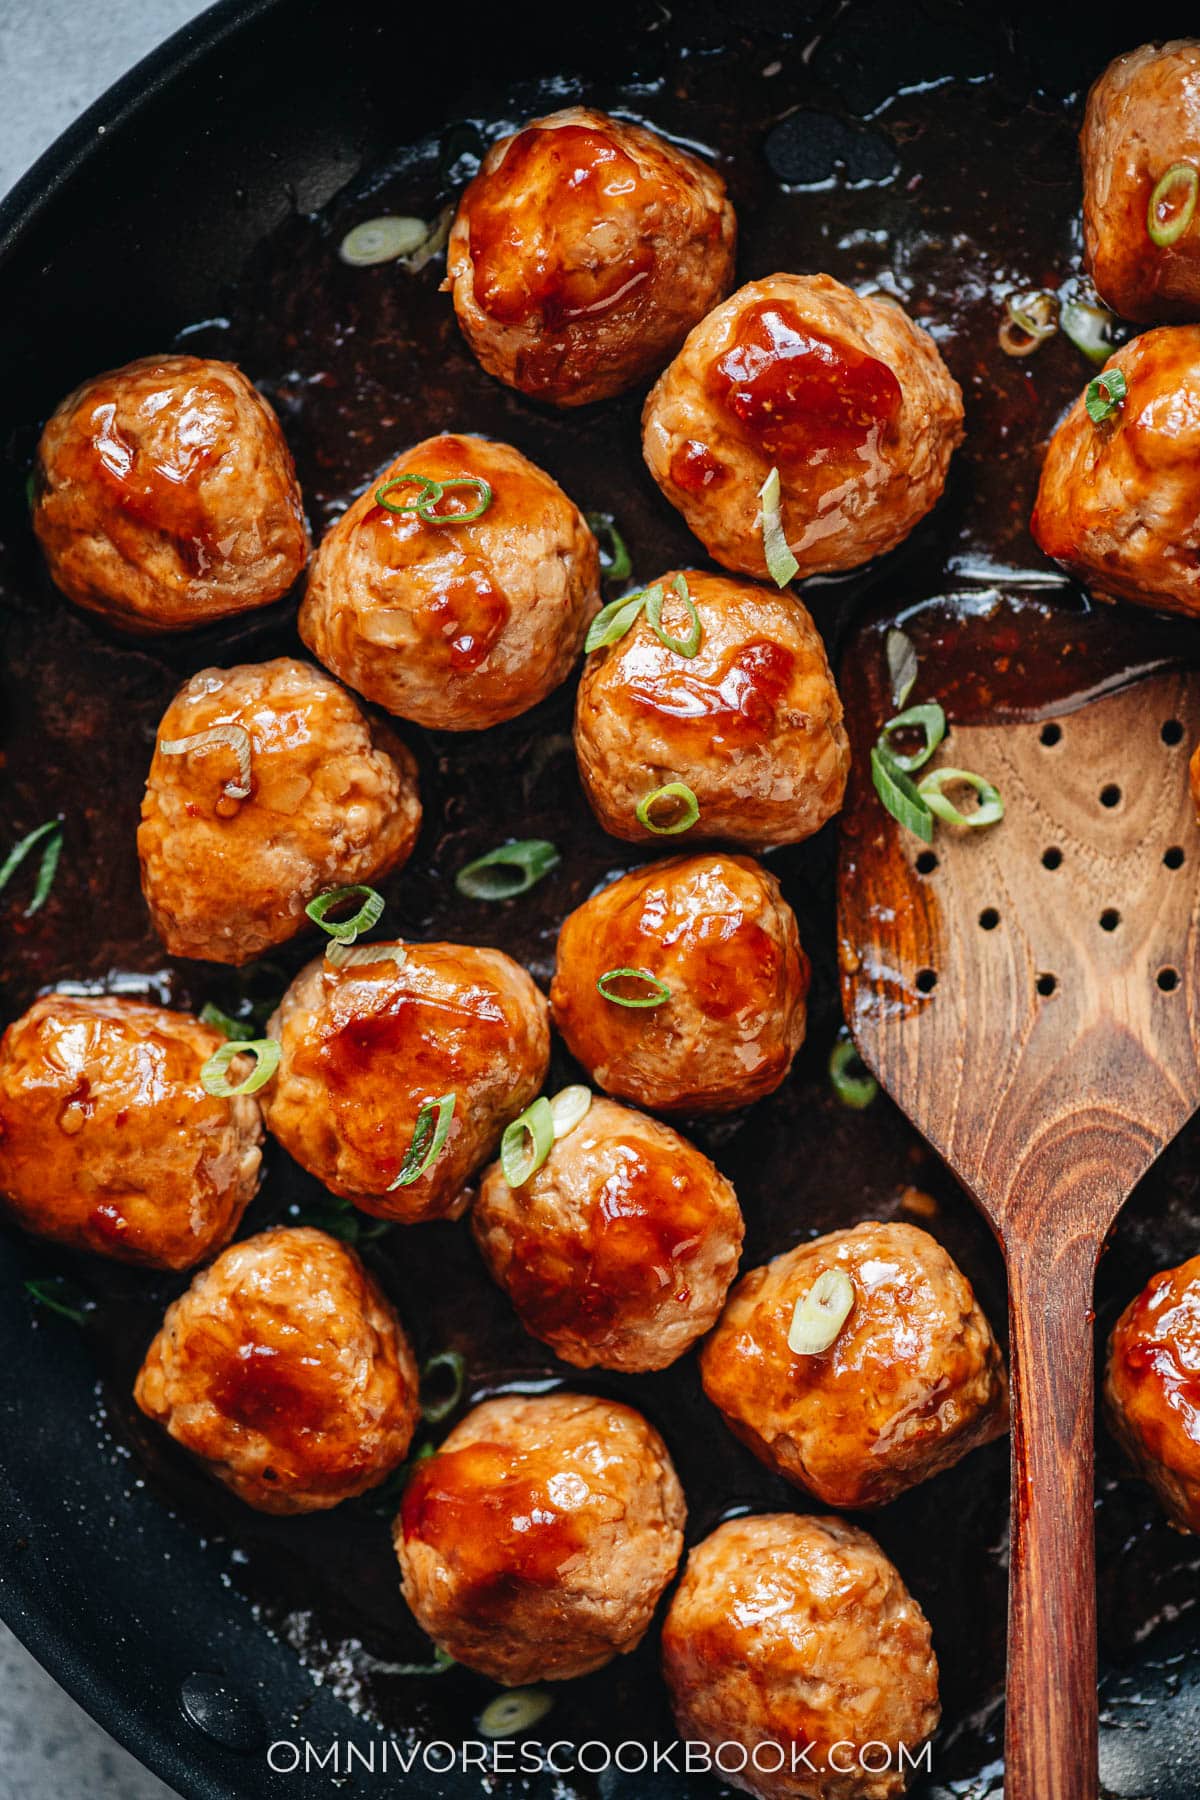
[442, 1660]
[614, 620]
[569, 1107]
[930, 720]
[659, 991]
[214, 1076]
[352, 956]
[339, 1219]
[900, 795]
[235, 737]
[616, 564]
[240, 1030]
[674, 790]
[1089, 327]
[989, 811]
[516, 1711]
[436, 239]
[426, 486]
[1029, 320]
[689, 645]
[31, 490]
[781, 564]
[1168, 230]
[854, 1086]
[434, 1411]
[382, 240]
[346, 930]
[507, 871]
[1104, 395]
[527, 1142]
[902, 665]
[432, 492]
[819, 1315]
[58, 1295]
[429, 1134]
[51, 835]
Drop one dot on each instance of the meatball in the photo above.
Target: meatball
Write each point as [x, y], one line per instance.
[1142, 122]
[534, 1546]
[1152, 1388]
[619, 1251]
[913, 1380]
[583, 253]
[364, 1049]
[166, 496]
[720, 988]
[844, 395]
[332, 801]
[109, 1143]
[1119, 500]
[751, 723]
[456, 626]
[795, 1651]
[286, 1371]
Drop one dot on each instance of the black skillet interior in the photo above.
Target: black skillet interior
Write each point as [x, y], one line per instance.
[930, 148]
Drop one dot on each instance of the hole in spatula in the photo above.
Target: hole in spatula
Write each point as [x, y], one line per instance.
[1051, 735]
[927, 862]
[1110, 795]
[1168, 980]
[926, 980]
[1046, 985]
[1052, 858]
[1110, 918]
[989, 918]
[1172, 731]
[1174, 857]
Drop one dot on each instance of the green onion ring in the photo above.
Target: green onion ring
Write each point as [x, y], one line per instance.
[427, 508]
[1165, 234]
[382, 240]
[346, 930]
[781, 564]
[434, 1411]
[1089, 328]
[238, 1030]
[507, 871]
[930, 719]
[355, 956]
[426, 486]
[52, 834]
[902, 665]
[689, 645]
[819, 1315]
[513, 1712]
[569, 1108]
[614, 620]
[674, 790]
[527, 1142]
[214, 1077]
[899, 794]
[55, 1293]
[1105, 395]
[989, 811]
[427, 1140]
[442, 1660]
[616, 564]
[659, 995]
[854, 1091]
[1034, 315]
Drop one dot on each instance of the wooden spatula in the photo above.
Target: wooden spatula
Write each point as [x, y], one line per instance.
[1028, 994]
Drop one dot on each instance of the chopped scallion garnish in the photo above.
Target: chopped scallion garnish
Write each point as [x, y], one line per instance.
[527, 1142]
[1030, 319]
[902, 665]
[659, 991]
[1105, 395]
[346, 930]
[59, 1295]
[516, 1711]
[569, 1107]
[382, 240]
[616, 564]
[1089, 327]
[614, 620]
[232, 737]
[854, 1086]
[507, 871]
[1172, 204]
[989, 811]
[900, 796]
[930, 720]
[689, 645]
[50, 836]
[338, 1218]
[432, 492]
[214, 1075]
[819, 1315]
[430, 1132]
[781, 564]
[675, 794]
[239, 1030]
[445, 1363]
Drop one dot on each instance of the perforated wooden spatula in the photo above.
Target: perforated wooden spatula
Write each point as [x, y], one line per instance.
[1028, 994]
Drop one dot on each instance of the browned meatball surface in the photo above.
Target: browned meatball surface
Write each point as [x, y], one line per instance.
[752, 722]
[457, 626]
[286, 1371]
[619, 1251]
[845, 396]
[536, 1544]
[165, 496]
[1142, 121]
[1152, 1388]
[332, 801]
[793, 1647]
[717, 935]
[583, 252]
[1119, 501]
[109, 1143]
[363, 1049]
[913, 1380]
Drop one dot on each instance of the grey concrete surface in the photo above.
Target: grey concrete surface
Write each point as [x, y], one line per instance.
[56, 57]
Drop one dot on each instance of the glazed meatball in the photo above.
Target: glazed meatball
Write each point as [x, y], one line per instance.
[1142, 122]
[751, 723]
[536, 1544]
[165, 496]
[332, 801]
[619, 1251]
[726, 975]
[286, 1371]
[913, 1380]
[1152, 1388]
[109, 1143]
[583, 252]
[845, 396]
[456, 626]
[1119, 500]
[792, 1646]
[366, 1046]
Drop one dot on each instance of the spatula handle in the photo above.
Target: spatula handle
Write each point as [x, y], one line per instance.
[1050, 1733]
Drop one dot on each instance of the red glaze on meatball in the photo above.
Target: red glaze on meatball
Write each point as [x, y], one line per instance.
[845, 396]
[364, 1047]
[286, 1371]
[796, 1640]
[718, 934]
[1152, 1388]
[166, 496]
[619, 1251]
[913, 1380]
[1119, 501]
[333, 801]
[535, 1545]
[752, 723]
[457, 627]
[109, 1143]
[1142, 121]
[583, 252]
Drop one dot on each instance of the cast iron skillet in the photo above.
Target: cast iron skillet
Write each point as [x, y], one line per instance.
[190, 201]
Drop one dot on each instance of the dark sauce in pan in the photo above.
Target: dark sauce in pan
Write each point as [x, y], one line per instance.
[956, 194]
